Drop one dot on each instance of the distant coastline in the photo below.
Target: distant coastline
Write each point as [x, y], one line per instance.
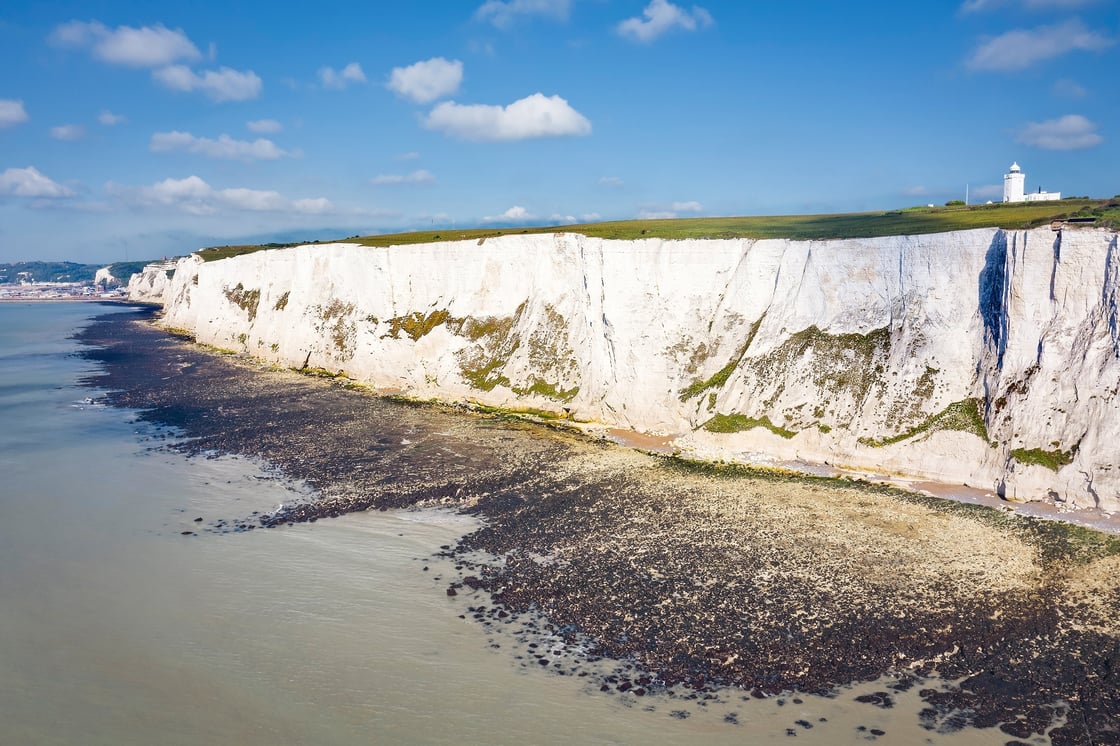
[66, 299]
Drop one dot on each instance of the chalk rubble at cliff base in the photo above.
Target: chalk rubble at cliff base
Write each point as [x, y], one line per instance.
[984, 357]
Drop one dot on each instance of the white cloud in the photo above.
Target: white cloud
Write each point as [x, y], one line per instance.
[194, 196]
[512, 215]
[660, 17]
[12, 112]
[557, 218]
[68, 132]
[191, 195]
[503, 13]
[916, 191]
[1071, 132]
[313, 206]
[533, 116]
[147, 46]
[1021, 48]
[339, 79]
[225, 84]
[264, 126]
[257, 200]
[974, 6]
[611, 181]
[1067, 88]
[590, 217]
[224, 147]
[109, 119]
[416, 177]
[986, 191]
[411, 156]
[30, 182]
[425, 81]
[672, 211]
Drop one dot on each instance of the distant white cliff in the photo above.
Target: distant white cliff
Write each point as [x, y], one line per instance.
[985, 357]
[150, 285]
[104, 277]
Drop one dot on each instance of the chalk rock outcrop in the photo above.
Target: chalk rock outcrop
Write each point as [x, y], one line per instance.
[104, 277]
[986, 357]
[151, 284]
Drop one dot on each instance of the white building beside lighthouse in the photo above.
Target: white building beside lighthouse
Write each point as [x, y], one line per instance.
[1013, 183]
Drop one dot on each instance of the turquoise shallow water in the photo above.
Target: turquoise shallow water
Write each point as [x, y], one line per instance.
[117, 629]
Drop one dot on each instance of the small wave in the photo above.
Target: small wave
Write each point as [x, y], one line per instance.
[88, 403]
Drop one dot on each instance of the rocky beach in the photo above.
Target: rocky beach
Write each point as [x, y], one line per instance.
[672, 579]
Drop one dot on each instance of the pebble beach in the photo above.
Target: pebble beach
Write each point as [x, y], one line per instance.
[662, 577]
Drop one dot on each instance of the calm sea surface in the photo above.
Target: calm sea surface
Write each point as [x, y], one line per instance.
[117, 629]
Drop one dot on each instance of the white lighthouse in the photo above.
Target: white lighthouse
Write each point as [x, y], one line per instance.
[1013, 191]
[1013, 182]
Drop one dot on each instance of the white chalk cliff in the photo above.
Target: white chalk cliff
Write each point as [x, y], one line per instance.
[150, 285]
[986, 357]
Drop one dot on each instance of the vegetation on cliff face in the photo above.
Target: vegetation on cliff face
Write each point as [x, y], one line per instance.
[552, 358]
[493, 343]
[541, 387]
[842, 367]
[1052, 460]
[246, 300]
[416, 324]
[336, 324]
[965, 416]
[735, 423]
[719, 379]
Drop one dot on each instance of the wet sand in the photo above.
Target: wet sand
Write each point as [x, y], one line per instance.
[697, 580]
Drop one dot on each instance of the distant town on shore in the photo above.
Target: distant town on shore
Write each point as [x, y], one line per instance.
[28, 281]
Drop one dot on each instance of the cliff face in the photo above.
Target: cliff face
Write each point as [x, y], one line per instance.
[985, 357]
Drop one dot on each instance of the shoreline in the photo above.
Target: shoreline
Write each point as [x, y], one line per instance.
[661, 446]
[702, 576]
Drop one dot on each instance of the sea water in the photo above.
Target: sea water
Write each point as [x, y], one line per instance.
[124, 622]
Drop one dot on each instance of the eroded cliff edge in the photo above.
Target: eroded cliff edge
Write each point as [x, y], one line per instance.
[986, 357]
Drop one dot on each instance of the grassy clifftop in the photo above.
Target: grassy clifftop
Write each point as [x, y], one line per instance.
[911, 221]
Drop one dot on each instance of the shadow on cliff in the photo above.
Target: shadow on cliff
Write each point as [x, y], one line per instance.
[993, 291]
[1111, 290]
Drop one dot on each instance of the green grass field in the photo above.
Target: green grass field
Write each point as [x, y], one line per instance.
[910, 221]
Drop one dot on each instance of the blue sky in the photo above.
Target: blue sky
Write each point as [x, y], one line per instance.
[137, 130]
